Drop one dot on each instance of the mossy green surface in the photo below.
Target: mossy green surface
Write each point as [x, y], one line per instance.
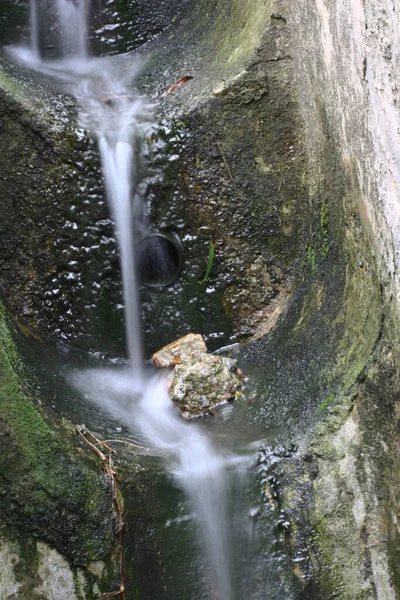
[337, 480]
[248, 172]
[48, 487]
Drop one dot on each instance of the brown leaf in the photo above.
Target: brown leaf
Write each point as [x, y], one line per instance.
[180, 82]
[251, 400]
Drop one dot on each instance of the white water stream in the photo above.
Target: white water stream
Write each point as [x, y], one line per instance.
[116, 119]
[34, 25]
[73, 24]
[117, 160]
[209, 476]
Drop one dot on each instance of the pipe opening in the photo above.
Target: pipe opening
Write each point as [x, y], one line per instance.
[160, 258]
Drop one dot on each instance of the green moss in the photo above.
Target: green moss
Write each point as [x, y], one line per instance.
[46, 487]
[10, 86]
[310, 258]
[334, 567]
[226, 42]
[324, 222]
[325, 404]
[33, 99]
[318, 246]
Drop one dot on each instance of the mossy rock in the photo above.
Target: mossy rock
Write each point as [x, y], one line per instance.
[49, 488]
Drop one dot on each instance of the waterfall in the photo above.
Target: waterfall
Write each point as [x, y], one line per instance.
[117, 160]
[73, 15]
[116, 119]
[34, 25]
[208, 476]
[204, 473]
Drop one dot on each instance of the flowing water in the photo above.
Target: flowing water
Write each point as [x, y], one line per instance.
[212, 478]
[116, 118]
[34, 26]
[73, 15]
[202, 471]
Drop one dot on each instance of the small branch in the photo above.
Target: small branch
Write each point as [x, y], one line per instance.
[279, 58]
[204, 202]
[124, 442]
[113, 594]
[288, 555]
[84, 439]
[112, 476]
[238, 191]
[99, 442]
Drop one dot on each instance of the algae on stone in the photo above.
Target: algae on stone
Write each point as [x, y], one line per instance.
[49, 489]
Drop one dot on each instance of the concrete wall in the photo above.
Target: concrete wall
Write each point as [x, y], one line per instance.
[347, 57]
[347, 60]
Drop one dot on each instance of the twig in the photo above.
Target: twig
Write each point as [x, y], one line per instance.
[99, 442]
[239, 192]
[289, 557]
[204, 203]
[125, 442]
[84, 439]
[277, 214]
[110, 594]
[222, 155]
[112, 476]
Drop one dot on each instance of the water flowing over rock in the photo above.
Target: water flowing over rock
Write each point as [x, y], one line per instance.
[200, 381]
[203, 382]
[283, 151]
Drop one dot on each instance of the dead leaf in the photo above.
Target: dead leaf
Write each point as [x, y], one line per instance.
[29, 330]
[251, 400]
[180, 82]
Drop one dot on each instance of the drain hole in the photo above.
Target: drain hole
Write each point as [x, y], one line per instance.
[160, 259]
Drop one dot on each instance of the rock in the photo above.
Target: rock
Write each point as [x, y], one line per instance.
[203, 382]
[55, 575]
[184, 349]
[199, 381]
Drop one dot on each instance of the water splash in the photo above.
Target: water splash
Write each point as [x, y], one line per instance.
[209, 476]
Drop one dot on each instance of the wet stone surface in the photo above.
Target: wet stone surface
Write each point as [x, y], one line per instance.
[115, 27]
[203, 382]
[83, 303]
[186, 348]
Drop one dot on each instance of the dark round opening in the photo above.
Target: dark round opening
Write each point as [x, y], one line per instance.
[159, 259]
